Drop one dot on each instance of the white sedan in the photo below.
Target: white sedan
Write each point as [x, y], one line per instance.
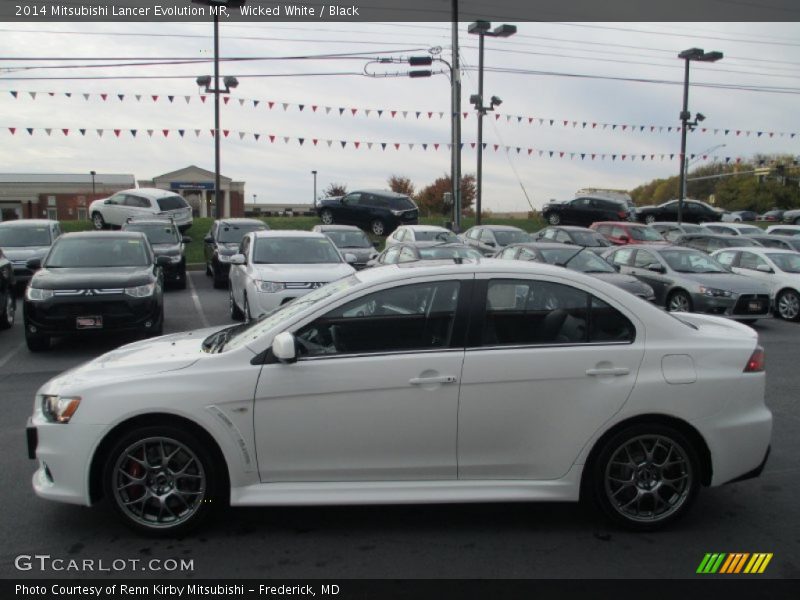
[275, 267]
[420, 383]
[777, 269]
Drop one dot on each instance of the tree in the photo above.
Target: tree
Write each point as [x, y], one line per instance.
[335, 189]
[401, 185]
[431, 198]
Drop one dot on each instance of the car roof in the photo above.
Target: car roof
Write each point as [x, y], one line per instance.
[28, 222]
[620, 223]
[387, 193]
[571, 228]
[757, 250]
[121, 234]
[240, 221]
[425, 228]
[500, 228]
[288, 233]
[544, 245]
[720, 236]
[149, 221]
[154, 193]
[325, 228]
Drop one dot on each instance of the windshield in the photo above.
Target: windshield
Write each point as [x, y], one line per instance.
[749, 230]
[172, 203]
[786, 262]
[349, 239]
[17, 237]
[506, 237]
[233, 234]
[645, 234]
[157, 234]
[295, 251]
[591, 239]
[97, 251]
[435, 236]
[691, 261]
[586, 262]
[252, 331]
[434, 253]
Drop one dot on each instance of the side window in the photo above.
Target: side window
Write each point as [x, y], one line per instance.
[411, 317]
[407, 255]
[353, 199]
[751, 261]
[118, 199]
[136, 201]
[713, 244]
[487, 237]
[524, 312]
[643, 259]
[376, 201]
[622, 257]
[604, 229]
[527, 254]
[618, 232]
[391, 255]
[581, 202]
[563, 237]
[550, 234]
[726, 258]
[474, 233]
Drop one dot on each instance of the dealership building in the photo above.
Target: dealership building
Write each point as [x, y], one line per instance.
[66, 197]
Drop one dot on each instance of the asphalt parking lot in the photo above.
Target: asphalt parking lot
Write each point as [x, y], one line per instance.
[465, 541]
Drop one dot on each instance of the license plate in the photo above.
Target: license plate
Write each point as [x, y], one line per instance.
[754, 306]
[89, 322]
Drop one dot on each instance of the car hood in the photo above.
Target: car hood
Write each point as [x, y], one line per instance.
[94, 278]
[361, 254]
[303, 273]
[25, 252]
[166, 249]
[629, 283]
[738, 284]
[146, 357]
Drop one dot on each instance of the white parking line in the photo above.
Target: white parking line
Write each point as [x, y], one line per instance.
[196, 300]
[10, 355]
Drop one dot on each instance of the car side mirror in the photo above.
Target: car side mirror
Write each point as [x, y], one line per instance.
[656, 268]
[238, 259]
[764, 269]
[34, 264]
[208, 239]
[186, 239]
[163, 261]
[284, 347]
[350, 258]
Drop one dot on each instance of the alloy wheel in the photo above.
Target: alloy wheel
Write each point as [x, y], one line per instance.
[789, 305]
[650, 219]
[159, 482]
[98, 221]
[327, 217]
[648, 478]
[377, 227]
[554, 219]
[679, 302]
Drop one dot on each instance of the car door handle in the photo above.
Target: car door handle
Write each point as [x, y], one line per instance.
[614, 371]
[429, 380]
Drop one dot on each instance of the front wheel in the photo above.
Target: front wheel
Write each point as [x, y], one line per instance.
[646, 476]
[554, 219]
[679, 302]
[9, 310]
[787, 305]
[377, 227]
[327, 217]
[162, 480]
[98, 222]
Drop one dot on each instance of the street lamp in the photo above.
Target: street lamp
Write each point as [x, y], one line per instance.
[230, 82]
[92, 173]
[696, 54]
[314, 203]
[481, 29]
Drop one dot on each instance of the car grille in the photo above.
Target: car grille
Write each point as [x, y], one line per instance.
[89, 292]
[105, 309]
[298, 285]
[743, 304]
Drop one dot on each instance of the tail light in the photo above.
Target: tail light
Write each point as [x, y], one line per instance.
[756, 362]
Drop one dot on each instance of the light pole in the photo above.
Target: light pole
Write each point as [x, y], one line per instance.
[314, 203]
[697, 54]
[481, 29]
[230, 82]
[93, 173]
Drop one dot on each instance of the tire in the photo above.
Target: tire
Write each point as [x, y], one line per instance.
[649, 219]
[679, 301]
[9, 310]
[787, 305]
[326, 217]
[36, 342]
[219, 282]
[554, 219]
[98, 222]
[377, 227]
[236, 312]
[180, 480]
[645, 476]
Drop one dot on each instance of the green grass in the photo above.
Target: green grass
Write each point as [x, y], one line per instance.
[201, 226]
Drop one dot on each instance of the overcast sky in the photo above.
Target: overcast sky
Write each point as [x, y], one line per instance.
[756, 55]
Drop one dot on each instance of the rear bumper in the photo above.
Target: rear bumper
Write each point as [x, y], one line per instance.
[755, 472]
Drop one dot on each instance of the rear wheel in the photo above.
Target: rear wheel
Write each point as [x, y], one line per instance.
[787, 305]
[554, 219]
[162, 480]
[98, 222]
[377, 227]
[650, 219]
[646, 476]
[327, 217]
[9, 310]
[236, 312]
[679, 301]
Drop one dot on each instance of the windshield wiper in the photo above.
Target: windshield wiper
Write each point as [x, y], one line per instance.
[569, 260]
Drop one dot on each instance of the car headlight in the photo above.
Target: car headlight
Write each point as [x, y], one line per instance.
[141, 291]
[715, 292]
[224, 258]
[175, 259]
[38, 294]
[59, 410]
[397, 213]
[270, 287]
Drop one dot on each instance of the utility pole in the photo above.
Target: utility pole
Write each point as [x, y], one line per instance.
[455, 88]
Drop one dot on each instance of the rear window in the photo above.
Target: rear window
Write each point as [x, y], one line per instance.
[172, 203]
[404, 203]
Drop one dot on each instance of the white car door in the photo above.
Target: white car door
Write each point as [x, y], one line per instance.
[374, 394]
[548, 364]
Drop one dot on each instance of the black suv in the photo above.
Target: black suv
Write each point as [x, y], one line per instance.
[222, 242]
[94, 282]
[380, 211]
[585, 210]
[166, 240]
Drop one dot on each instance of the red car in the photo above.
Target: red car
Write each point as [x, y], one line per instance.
[625, 232]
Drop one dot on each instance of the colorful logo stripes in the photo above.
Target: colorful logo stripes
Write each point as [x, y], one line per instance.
[734, 563]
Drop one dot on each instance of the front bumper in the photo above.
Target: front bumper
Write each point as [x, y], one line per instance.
[738, 308]
[119, 313]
